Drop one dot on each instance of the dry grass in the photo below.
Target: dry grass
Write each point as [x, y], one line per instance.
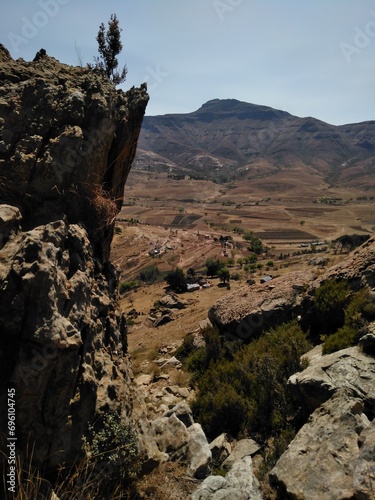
[169, 481]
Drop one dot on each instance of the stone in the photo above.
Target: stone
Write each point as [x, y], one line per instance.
[364, 468]
[172, 301]
[241, 449]
[249, 310]
[144, 379]
[68, 138]
[183, 412]
[239, 484]
[199, 453]
[350, 368]
[171, 437]
[321, 460]
[163, 320]
[10, 218]
[221, 448]
[172, 362]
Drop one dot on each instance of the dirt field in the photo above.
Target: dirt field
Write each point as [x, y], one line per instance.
[169, 223]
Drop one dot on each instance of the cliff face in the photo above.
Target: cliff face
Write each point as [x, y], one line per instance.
[67, 142]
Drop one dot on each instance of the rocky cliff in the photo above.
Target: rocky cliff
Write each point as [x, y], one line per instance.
[67, 142]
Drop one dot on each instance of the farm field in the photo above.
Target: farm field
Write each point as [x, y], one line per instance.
[168, 223]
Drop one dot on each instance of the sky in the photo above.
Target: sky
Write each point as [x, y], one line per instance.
[308, 57]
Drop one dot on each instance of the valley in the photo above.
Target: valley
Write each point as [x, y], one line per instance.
[169, 223]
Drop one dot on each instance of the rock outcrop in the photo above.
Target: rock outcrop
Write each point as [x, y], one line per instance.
[67, 141]
[328, 458]
[252, 309]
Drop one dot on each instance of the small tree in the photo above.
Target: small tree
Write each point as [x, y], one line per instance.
[224, 275]
[109, 47]
[176, 280]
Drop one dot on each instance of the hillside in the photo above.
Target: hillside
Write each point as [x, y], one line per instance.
[227, 139]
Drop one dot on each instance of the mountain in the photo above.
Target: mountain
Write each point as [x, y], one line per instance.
[228, 139]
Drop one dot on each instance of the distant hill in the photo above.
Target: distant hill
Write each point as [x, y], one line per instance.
[229, 139]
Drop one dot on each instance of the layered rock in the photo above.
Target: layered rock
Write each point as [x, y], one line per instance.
[67, 141]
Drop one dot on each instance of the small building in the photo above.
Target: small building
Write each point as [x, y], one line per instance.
[265, 279]
[192, 287]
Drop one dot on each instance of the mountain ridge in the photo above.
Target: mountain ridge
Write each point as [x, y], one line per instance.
[231, 138]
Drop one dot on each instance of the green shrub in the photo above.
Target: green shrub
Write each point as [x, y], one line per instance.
[357, 313]
[257, 376]
[151, 274]
[344, 337]
[177, 280]
[126, 286]
[112, 447]
[330, 300]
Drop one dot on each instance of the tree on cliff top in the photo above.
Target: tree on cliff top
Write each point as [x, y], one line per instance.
[110, 46]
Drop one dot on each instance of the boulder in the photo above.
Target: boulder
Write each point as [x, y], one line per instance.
[172, 301]
[171, 437]
[239, 484]
[183, 412]
[323, 460]
[249, 310]
[221, 448]
[243, 448]
[350, 368]
[364, 468]
[199, 453]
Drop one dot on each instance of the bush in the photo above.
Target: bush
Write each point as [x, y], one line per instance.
[126, 286]
[177, 280]
[151, 274]
[112, 446]
[255, 381]
[358, 312]
[330, 300]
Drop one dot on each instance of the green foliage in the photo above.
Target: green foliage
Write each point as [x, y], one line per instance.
[360, 309]
[126, 286]
[109, 46]
[330, 299]
[151, 274]
[112, 446]
[177, 280]
[255, 244]
[224, 275]
[213, 266]
[247, 391]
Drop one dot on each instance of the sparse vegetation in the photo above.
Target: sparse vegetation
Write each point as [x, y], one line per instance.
[109, 46]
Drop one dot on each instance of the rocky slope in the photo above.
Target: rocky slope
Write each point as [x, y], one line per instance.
[67, 142]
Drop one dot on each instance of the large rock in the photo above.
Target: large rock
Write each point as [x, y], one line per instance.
[364, 469]
[67, 142]
[199, 453]
[248, 311]
[239, 484]
[325, 460]
[350, 368]
[243, 448]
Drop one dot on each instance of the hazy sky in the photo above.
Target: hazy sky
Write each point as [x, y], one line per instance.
[308, 57]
